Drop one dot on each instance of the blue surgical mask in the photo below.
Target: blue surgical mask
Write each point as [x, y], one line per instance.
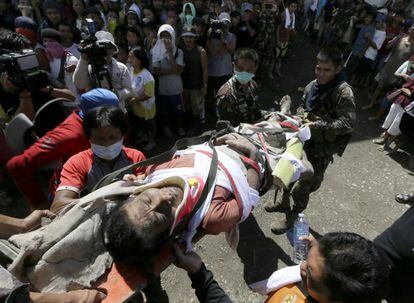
[189, 19]
[243, 77]
[107, 152]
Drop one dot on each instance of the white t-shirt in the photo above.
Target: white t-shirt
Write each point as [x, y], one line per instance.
[171, 84]
[139, 81]
[379, 38]
[403, 69]
[143, 82]
[74, 50]
[55, 65]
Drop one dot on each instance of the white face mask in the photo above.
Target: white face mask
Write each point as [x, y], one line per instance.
[107, 152]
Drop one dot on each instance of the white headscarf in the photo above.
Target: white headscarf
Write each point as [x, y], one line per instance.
[159, 51]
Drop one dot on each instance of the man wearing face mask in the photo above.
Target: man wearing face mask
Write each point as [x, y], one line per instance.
[105, 127]
[119, 75]
[237, 99]
[61, 143]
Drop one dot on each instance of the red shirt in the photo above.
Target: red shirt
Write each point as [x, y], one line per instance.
[84, 169]
[391, 32]
[62, 142]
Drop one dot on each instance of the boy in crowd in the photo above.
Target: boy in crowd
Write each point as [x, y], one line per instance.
[105, 127]
[195, 77]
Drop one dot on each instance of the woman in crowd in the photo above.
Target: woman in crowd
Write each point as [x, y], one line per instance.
[142, 105]
[133, 37]
[78, 7]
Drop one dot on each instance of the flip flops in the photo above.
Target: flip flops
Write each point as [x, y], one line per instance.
[405, 198]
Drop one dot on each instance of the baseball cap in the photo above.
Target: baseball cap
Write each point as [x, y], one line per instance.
[224, 17]
[189, 31]
[106, 37]
[51, 33]
[25, 22]
[246, 7]
[97, 97]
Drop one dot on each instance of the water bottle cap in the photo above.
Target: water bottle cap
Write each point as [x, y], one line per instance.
[301, 215]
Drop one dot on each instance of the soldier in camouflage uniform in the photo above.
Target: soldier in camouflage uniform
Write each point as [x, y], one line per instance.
[266, 41]
[328, 108]
[237, 99]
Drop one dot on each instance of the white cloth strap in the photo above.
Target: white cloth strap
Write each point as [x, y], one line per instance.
[297, 165]
[249, 196]
[277, 280]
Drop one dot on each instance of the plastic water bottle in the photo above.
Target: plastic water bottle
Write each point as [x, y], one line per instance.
[300, 247]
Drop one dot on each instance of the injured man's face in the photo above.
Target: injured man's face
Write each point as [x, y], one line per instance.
[155, 207]
[137, 229]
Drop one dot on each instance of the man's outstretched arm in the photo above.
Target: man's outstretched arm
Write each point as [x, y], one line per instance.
[206, 288]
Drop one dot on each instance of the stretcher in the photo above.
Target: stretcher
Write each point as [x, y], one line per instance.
[121, 281]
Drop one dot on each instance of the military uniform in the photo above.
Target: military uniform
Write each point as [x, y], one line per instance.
[237, 103]
[266, 45]
[266, 36]
[333, 115]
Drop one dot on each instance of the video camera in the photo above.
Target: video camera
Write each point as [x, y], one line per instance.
[217, 28]
[23, 70]
[96, 53]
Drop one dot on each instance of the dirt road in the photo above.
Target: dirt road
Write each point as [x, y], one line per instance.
[357, 195]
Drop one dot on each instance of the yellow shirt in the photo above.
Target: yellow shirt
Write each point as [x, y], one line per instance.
[144, 82]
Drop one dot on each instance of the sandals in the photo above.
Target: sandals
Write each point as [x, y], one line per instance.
[379, 141]
[405, 198]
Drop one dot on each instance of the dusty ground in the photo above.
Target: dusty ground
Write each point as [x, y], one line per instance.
[357, 195]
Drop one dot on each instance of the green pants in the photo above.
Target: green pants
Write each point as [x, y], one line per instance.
[301, 190]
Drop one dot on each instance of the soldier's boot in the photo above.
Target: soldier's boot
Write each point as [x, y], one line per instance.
[280, 203]
[283, 222]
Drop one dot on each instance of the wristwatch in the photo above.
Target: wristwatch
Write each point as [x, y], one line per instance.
[50, 90]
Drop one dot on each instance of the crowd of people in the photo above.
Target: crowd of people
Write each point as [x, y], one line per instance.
[115, 77]
[379, 42]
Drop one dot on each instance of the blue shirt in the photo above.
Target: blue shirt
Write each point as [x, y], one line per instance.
[360, 41]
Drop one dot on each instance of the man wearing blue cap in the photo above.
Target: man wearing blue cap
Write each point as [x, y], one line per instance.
[105, 127]
[62, 142]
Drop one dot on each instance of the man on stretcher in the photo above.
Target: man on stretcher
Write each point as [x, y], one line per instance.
[250, 160]
[171, 191]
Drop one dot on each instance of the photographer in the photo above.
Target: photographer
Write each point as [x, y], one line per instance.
[220, 47]
[119, 78]
[15, 98]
